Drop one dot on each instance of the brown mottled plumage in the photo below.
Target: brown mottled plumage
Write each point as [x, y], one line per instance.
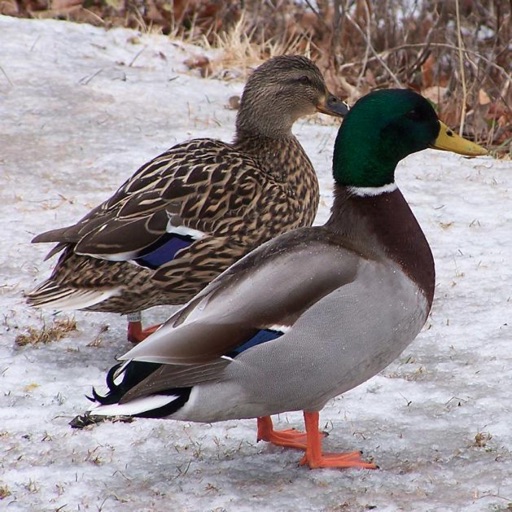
[229, 198]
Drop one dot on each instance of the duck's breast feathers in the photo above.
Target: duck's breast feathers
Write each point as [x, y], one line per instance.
[196, 186]
[268, 289]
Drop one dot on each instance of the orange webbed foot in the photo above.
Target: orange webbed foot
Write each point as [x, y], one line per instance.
[314, 457]
[337, 460]
[289, 438]
[136, 333]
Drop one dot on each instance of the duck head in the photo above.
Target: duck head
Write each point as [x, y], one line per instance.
[384, 127]
[281, 91]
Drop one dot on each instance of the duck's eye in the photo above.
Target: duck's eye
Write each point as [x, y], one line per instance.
[413, 115]
[305, 80]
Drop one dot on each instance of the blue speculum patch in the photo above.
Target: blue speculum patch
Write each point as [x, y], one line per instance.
[164, 250]
[260, 337]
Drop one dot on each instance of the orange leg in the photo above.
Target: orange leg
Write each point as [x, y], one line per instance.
[314, 457]
[289, 438]
[136, 333]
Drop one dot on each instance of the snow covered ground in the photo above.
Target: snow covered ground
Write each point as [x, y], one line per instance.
[80, 110]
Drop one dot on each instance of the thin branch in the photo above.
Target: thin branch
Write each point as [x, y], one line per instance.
[385, 53]
[339, 14]
[367, 49]
[372, 49]
[318, 15]
[461, 65]
[137, 55]
[6, 76]
[425, 52]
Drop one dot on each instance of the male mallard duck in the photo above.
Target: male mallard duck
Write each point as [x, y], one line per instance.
[310, 314]
[187, 215]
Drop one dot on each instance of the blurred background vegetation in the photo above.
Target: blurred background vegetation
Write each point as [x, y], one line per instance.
[458, 53]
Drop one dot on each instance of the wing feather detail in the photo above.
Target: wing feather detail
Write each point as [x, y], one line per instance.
[259, 292]
[178, 185]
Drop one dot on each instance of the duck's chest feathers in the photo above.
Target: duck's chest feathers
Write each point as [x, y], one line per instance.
[387, 225]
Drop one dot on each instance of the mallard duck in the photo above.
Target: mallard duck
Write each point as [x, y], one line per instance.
[188, 214]
[310, 314]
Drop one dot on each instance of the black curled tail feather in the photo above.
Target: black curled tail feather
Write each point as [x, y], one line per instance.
[134, 373]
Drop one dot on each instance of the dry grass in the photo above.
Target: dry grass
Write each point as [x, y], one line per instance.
[47, 334]
[482, 439]
[454, 52]
[241, 50]
[4, 492]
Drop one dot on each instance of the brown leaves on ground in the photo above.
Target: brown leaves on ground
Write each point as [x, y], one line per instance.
[200, 62]
[359, 45]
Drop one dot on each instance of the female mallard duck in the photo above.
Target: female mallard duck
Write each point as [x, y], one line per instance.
[187, 215]
[310, 314]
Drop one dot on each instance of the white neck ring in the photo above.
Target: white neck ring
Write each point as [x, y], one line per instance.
[372, 191]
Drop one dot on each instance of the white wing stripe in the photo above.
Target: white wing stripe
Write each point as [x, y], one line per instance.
[137, 406]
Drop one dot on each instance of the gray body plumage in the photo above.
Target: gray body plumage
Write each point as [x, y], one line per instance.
[320, 358]
[320, 286]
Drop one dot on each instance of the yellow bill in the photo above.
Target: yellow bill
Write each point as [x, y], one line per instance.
[448, 140]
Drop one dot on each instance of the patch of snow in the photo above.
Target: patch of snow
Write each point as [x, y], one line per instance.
[81, 109]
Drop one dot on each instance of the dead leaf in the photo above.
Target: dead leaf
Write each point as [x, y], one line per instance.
[483, 97]
[436, 94]
[427, 72]
[200, 62]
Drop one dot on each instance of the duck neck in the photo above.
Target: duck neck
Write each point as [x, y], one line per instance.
[254, 118]
[280, 156]
[385, 223]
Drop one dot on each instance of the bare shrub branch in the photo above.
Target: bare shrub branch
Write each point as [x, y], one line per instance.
[456, 53]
